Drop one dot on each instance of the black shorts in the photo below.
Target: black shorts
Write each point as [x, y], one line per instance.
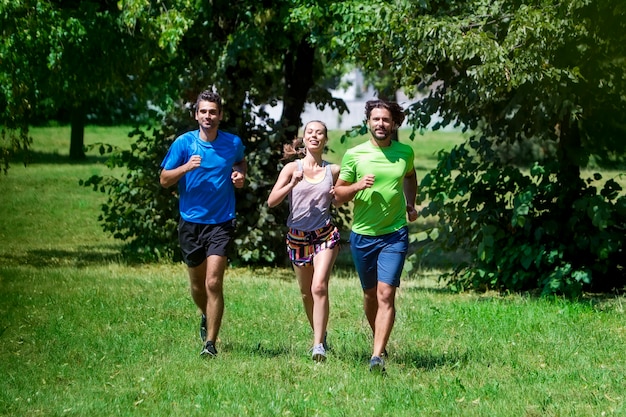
[199, 241]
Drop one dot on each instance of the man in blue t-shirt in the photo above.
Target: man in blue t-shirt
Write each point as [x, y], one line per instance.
[207, 164]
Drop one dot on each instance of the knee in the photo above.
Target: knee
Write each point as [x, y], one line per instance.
[386, 300]
[213, 285]
[370, 295]
[197, 287]
[386, 297]
[319, 290]
[306, 295]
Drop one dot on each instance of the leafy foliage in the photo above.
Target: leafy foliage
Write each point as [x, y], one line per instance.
[514, 226]
[138, 210]
[543, 72]
[75, 61]
[542, 76]
[250, 54]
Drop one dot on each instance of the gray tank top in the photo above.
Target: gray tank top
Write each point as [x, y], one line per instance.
[309, 203]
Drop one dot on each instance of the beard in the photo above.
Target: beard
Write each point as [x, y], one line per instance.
[381, 134]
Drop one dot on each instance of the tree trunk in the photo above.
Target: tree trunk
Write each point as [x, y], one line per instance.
[77, 136]
[298, 81]
[568, 154]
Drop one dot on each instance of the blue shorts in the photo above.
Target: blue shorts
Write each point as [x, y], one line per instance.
[379, 258]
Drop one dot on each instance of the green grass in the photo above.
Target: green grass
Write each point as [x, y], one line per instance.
[83, 333]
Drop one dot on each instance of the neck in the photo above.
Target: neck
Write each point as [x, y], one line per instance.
[208, 135]
[381, 143]
[313, 159]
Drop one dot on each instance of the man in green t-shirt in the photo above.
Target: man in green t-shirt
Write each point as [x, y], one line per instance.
[379, 176]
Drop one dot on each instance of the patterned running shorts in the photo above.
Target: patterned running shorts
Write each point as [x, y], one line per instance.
[302, 246]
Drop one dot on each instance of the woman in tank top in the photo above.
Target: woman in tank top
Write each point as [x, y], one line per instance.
[312, 239]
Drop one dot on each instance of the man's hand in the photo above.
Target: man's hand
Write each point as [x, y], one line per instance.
[238, 179]
[412, 213]
[194, 162]
[366, 182]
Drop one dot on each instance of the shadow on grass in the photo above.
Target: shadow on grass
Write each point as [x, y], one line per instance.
[259, 349]
[431, 362]
[81, 258]
[430, 289]
[419, 360]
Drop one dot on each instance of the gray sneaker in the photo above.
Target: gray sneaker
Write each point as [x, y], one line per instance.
[377, 365]
[209, 350]
[319, 353]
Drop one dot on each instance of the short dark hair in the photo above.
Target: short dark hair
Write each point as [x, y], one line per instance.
[208, 95]
[397, 112]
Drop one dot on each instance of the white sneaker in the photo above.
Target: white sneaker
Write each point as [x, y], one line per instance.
[319, 353]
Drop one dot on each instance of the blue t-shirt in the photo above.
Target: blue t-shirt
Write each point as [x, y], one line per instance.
[207, 194]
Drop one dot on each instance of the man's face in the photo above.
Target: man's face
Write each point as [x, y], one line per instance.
[381, 124]
[208, 115]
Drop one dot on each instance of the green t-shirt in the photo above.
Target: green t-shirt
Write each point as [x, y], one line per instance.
[381, 209]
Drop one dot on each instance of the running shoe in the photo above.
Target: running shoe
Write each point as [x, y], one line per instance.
[319, 353]
[377, 365]
[209, 350]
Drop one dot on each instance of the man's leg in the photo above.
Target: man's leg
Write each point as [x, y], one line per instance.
[197, 278]
[370, 307]
[214, 290]
[389, 265]
[364, 254]
[385, 317]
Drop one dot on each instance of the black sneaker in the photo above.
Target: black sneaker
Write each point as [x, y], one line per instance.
[209, 350]
[203, 328]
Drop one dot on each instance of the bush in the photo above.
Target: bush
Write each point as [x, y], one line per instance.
[138, 210]
[518, 229]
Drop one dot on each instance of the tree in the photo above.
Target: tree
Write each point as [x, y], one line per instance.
[541, 76]
[511, 73]
[75, 57]
[252, 53]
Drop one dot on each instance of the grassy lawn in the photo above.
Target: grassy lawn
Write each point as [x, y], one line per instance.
[83, 333]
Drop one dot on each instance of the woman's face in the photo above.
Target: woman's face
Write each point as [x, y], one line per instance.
[315, 135]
